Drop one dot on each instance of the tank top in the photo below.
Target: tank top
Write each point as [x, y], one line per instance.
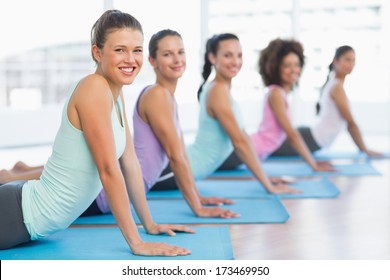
[330, 121]
[212, 145]
[270, 134]
[69, 182]
[150, 153]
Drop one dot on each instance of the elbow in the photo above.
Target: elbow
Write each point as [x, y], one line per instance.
[176, 158]
[107, 174]
[240, 142]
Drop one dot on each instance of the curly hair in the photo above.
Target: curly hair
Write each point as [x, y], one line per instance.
[272, 56]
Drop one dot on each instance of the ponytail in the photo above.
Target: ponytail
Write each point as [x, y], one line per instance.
[318, 106]
[212, 47]
[339, 52]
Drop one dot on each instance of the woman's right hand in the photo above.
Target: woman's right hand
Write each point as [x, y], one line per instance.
[373, 154]
[324, 166]
[282, 188]
[158, 249]
[216, 212]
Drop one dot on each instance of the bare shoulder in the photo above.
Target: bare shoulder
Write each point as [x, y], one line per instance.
[156, 95]
[337, 89]
[218, 92]
[276, 92]
[92, 88]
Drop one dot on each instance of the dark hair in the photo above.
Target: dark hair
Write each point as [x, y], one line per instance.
[212, 47]
[157, 37]
[340, 51]
[272, 56]
[109, 21]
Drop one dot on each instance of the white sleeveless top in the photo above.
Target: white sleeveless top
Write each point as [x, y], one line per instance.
[330, 121]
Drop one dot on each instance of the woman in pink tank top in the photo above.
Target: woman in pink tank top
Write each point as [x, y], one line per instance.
[280, 66]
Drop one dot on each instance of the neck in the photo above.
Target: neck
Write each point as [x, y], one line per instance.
[226, 81]
[287, 88]
[340, 76]
[170, 85]
[115, 89]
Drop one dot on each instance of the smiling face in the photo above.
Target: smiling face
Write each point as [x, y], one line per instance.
[228, 60]
[121, 57]
[170, 61]
[290, 70]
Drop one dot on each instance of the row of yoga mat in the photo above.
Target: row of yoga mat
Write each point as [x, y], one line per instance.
[87, 239]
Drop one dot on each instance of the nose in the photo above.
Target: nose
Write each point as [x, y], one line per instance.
[237, 61]
[130, 58]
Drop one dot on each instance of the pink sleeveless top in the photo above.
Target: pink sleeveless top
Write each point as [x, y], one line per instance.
[270, 134]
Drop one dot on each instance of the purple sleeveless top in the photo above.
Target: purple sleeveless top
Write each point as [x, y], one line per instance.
[150, 153]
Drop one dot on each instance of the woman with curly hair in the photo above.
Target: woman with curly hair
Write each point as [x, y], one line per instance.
[333, 110]
[280, 64]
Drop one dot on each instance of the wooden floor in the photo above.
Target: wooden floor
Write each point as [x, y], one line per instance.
[354, 226]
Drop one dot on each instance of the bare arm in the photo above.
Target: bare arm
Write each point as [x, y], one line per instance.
[278, 106]
[93, 103]
[157, 107]
[340, 98]
[220, 108]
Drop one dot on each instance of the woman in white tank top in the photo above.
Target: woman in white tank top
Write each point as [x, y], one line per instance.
[333, 109]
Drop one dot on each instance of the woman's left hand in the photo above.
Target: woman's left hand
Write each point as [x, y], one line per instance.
[168, 229]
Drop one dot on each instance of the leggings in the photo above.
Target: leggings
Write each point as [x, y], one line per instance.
[12, 229]
[231, 163]
[287, 150]
[166, 181]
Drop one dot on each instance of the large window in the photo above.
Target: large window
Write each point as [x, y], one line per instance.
[321, 26]
[45, 52]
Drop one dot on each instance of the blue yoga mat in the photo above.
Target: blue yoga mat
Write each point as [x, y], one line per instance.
[315, 188]
[298, 168]
[253, 211]
[332, 155]
[208, 243]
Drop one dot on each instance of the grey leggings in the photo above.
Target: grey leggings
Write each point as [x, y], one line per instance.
[12, 228]
[287, 150]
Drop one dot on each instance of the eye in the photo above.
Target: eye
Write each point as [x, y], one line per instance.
[119, 50]
[138, 50]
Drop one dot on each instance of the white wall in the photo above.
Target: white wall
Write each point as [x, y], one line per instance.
[39, 127]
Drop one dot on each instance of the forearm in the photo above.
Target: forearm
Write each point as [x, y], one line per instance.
[185, 181]
[354, 131]
[299, 145]
[246, 153]
[136, 191]
[116, 196]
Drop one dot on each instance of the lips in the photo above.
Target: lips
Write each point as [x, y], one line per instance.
[177, 68]
[127, 70]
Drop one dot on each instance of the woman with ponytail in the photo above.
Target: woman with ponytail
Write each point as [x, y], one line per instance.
[280, 66]
[93, 150]
[333, 109]
[221, 128]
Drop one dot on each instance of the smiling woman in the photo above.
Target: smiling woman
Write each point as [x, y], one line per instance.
[93, 149]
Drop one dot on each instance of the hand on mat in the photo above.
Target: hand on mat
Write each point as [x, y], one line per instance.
[158, 249]
[283, 188]
[373, 154]
[283, 180]
[324, 166]
[168, 229]
[211, 200]
[216, 212]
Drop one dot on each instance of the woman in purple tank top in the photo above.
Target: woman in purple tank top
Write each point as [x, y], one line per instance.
[157, 135]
